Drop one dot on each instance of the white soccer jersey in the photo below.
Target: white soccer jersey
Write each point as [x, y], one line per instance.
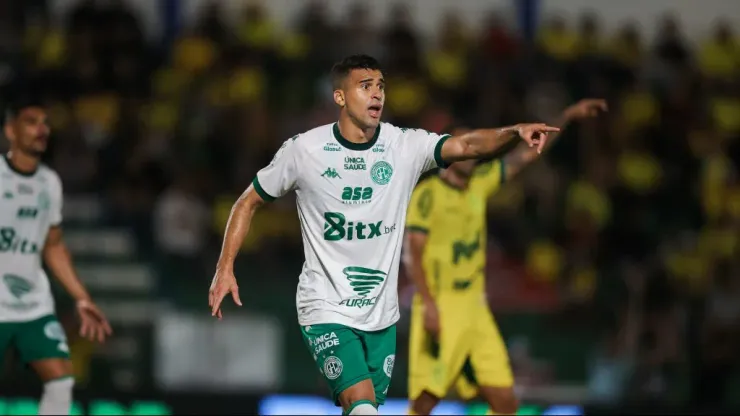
[352, 201]
[29, 205]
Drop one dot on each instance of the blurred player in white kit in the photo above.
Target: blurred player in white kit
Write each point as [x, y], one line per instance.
[30, 235]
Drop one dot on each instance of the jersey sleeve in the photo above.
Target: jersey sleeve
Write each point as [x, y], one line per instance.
[56, 201]
[421, 209]
[427, 148]
[280, 176]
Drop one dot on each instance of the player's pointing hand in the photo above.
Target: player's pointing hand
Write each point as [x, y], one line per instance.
[535, 134]
[223, 283]
[586, 108]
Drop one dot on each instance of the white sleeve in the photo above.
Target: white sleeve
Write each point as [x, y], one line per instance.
[56, 200]
[280, 176]
[427, 148]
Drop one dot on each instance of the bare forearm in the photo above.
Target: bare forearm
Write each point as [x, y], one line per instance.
[237, 229]
[484, 143]
[416, 244]
[59, 261]
[420, 281]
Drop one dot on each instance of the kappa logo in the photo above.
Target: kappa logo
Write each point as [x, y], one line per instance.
[333, 367]
[381, 172]
[331, 173]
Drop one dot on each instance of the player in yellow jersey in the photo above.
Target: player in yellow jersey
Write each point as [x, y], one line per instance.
[454, 337]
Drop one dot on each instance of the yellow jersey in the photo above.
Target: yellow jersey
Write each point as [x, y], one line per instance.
[454, 220]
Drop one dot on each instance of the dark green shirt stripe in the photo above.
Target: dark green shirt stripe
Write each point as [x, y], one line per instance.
[438, 151]
[261, 192]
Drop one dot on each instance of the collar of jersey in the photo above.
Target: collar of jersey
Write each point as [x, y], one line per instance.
[355, 146]
[14, 169]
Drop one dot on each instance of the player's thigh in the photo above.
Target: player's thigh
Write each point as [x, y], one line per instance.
[42, 343]
[489, 358]
[466, 384]
[421, 355]
[446, 355]
[381, 357]
[340, 356]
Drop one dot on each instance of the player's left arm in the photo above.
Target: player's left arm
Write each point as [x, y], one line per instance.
[59, 261]
[94, 324]
[521, 156]
[487, 143]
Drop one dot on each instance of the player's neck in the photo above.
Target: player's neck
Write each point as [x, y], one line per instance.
[354, 133]
[22, 163]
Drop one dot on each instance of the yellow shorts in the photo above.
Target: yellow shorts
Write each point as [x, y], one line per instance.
[470, 351]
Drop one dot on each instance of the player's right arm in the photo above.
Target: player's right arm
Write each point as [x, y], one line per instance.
[419, 220]
[272, 182]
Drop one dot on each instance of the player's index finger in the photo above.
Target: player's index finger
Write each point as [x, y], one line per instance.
[216, 305]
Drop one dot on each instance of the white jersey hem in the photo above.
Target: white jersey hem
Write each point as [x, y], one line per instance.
[349, 322]
[27, 318]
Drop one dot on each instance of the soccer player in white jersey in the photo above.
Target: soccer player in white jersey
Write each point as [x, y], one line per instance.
[353, 180]
[30, 232]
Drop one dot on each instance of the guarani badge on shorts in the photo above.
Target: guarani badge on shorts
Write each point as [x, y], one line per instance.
[333, 367]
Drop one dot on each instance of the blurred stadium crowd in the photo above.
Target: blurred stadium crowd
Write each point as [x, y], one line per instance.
[634, 217]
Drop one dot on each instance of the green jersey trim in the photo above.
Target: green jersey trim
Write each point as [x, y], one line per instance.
[261, 192]
[355, 146]
[438, 151]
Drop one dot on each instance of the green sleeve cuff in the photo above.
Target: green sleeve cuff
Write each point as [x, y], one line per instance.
[417, 229]
[261, 192]
[438, 151]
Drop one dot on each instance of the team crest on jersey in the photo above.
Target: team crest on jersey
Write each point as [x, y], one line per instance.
[333, 367]
[44, 201]
[381, 172]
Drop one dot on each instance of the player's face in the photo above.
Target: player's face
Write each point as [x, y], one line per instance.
[458, 174]
[29, 132]
[363, 96]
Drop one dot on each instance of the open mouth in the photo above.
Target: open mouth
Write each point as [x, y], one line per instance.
[375, 110]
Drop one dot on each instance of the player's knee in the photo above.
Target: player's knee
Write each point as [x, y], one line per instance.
[424, 404]
[502, 400]
[362, 407]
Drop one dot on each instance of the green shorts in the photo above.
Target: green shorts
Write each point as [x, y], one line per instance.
[346, 356]
[35, 340]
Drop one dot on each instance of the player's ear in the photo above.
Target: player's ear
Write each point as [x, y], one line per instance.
[8, 132]
[339, 98]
